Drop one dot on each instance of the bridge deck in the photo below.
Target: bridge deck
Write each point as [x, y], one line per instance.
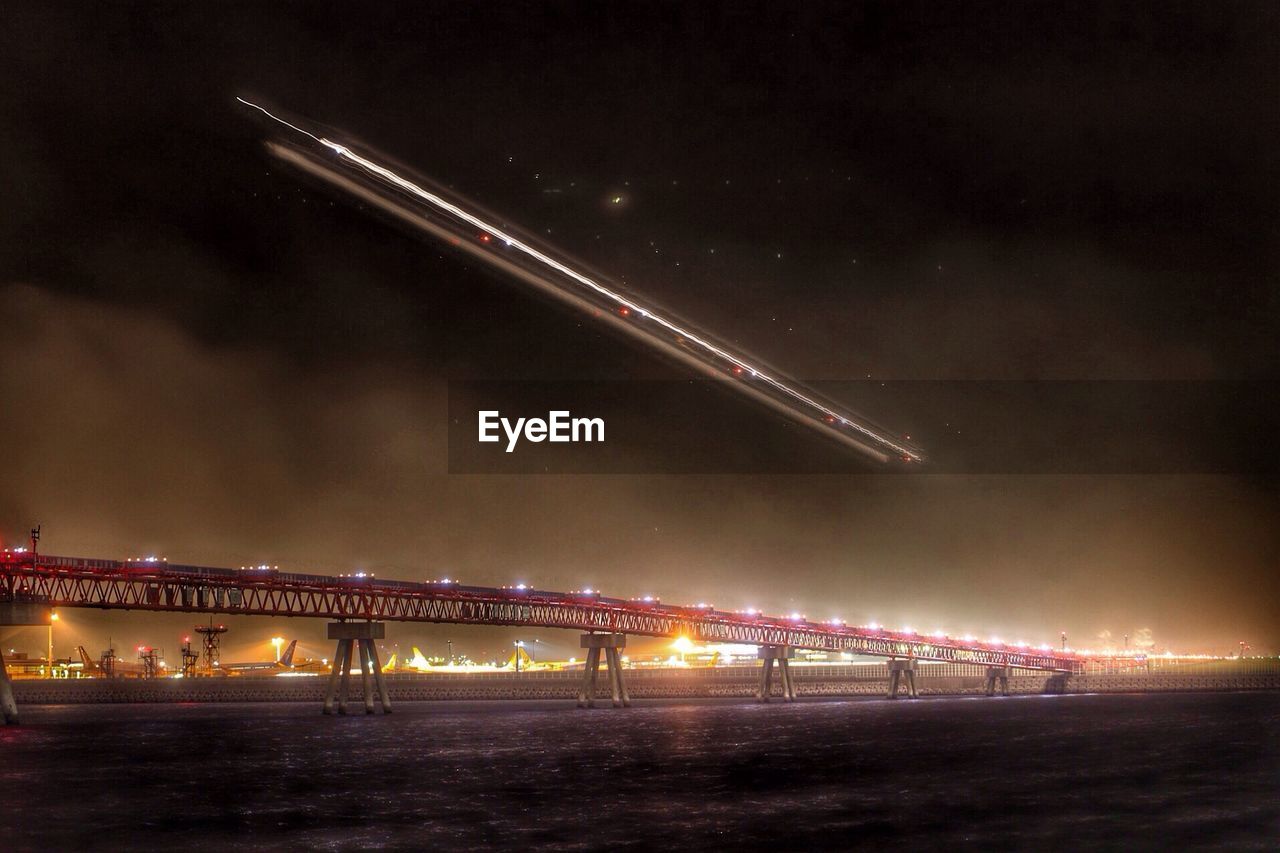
[160, 586]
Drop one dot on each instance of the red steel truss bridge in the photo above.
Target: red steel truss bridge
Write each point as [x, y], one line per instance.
[159, 586]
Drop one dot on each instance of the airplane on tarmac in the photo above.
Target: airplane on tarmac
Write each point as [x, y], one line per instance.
[421, 663]
[95, 668]
[285, 662]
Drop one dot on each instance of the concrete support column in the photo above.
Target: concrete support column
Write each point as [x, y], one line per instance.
[344, 682]
[783, 655]
[332, 688]
[586, 691]
[347, 633]
[612, 646]
[766, 680]
[364, 675]
[615, 668]
[788, 682]
[379, 678]
[622, 682]
[902, 672]
[998, 674]
[8, 705]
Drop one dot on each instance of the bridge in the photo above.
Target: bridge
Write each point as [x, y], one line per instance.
[361, 604]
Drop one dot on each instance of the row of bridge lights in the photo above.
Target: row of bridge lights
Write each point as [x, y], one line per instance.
[797, 617]
[702, 605]
[938, 634]
[648, 599]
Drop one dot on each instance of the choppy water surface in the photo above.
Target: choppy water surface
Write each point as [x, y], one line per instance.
[1117, 771]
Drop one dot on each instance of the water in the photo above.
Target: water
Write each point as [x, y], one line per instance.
[1165, 770]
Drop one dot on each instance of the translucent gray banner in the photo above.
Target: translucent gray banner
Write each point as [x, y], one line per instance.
[986, 427]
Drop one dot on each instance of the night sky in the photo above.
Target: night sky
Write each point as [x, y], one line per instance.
[209, 358]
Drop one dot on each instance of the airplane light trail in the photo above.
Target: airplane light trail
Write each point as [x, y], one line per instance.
[782, 394]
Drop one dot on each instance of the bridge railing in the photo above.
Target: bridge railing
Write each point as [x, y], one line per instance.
[78, 582]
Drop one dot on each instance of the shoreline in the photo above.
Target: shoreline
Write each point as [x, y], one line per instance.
[726, 683]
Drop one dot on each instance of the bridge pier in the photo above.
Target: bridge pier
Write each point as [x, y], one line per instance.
[35, 613]
[902, 671]
[1000, 674]
[8, 705]
[783, 655]
[611, 645]
[348, 634]
[335, 674]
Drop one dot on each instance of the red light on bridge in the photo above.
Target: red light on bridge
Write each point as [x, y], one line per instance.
[261, 594]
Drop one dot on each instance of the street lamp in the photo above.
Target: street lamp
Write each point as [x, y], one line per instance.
[277, 642]
[53, 617]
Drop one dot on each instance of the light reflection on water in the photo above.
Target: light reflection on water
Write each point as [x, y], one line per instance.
[1188, 770]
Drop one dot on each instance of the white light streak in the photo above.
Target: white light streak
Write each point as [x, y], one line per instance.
[618, 299]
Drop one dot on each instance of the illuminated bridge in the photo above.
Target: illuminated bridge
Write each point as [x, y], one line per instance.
[361, 604]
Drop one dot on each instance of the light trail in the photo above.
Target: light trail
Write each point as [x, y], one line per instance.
[829, 417]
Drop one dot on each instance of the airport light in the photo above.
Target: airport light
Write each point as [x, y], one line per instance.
[277, 642]
[683, 645]
[520, 644]
[53, 617]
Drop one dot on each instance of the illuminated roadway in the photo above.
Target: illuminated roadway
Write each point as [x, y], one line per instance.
[158, 586]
